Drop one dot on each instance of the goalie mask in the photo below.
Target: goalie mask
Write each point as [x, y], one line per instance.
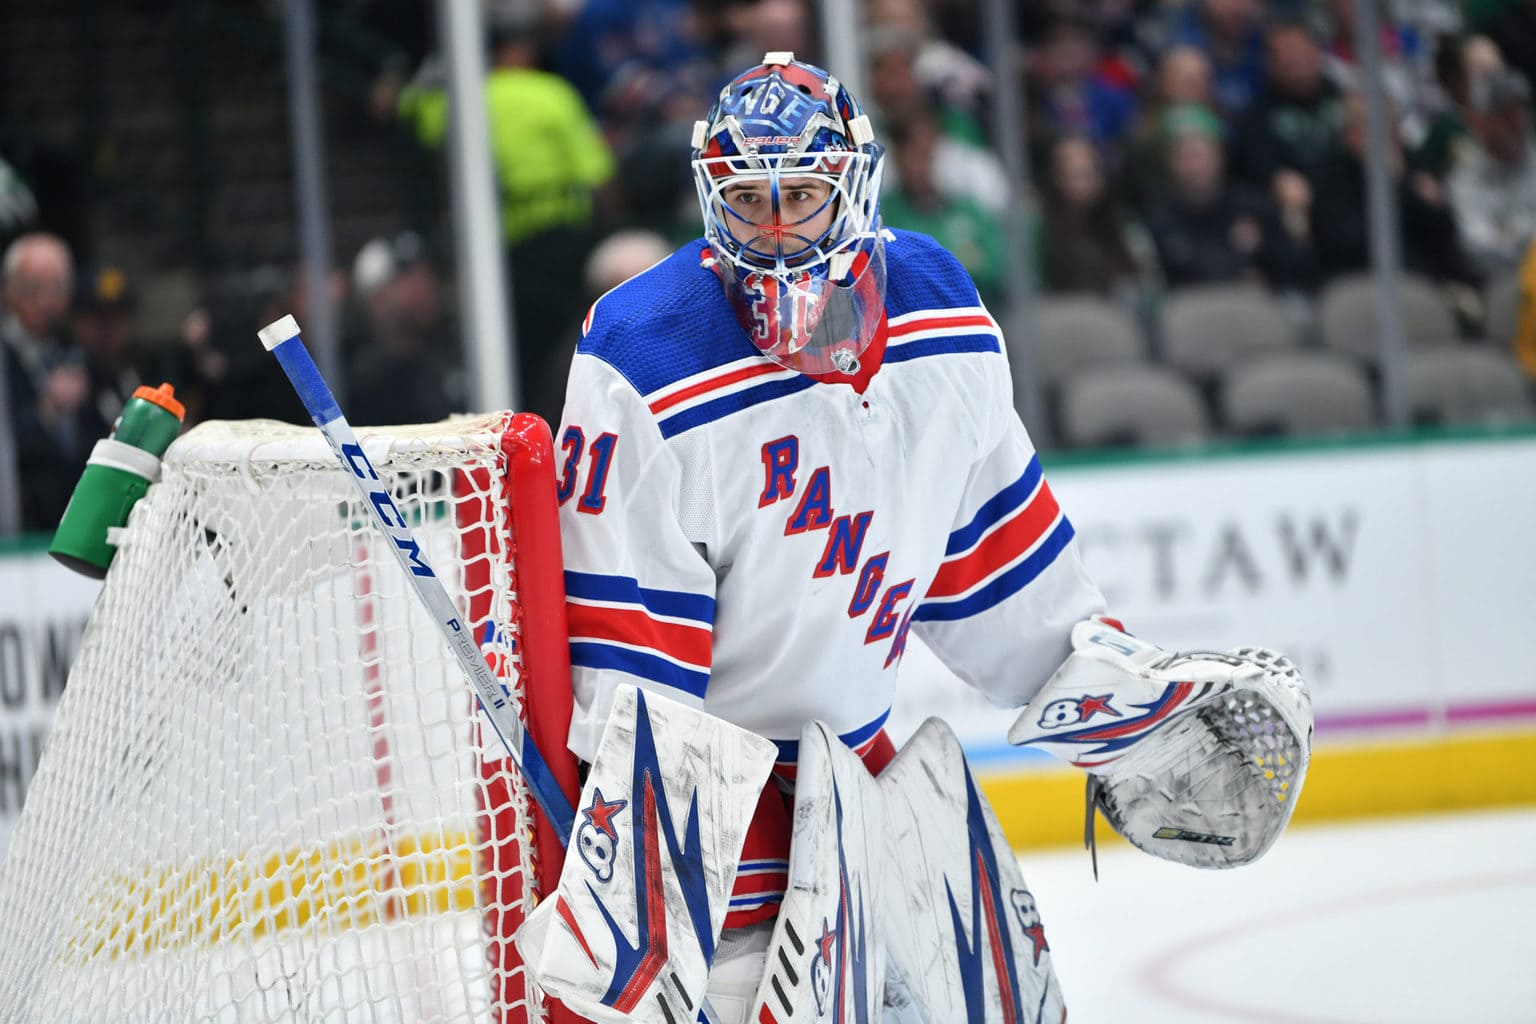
[788, 177]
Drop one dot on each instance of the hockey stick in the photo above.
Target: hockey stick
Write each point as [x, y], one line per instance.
[281, 338]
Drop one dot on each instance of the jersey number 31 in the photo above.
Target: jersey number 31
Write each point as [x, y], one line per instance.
[599, 458]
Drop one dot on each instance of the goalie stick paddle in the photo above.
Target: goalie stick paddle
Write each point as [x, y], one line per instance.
[281, 338]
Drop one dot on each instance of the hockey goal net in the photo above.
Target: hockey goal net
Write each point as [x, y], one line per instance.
[268, 795]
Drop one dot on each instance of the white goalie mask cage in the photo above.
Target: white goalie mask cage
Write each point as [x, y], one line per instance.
[807, 282]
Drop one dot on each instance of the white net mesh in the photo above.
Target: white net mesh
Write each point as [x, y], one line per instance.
[265, 796]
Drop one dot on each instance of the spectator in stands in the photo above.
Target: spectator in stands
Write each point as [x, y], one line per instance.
[551, 161]
[229, 378]
[1184, 75]
[18, 206]
[1070, 94]
[1340, 232]
[755, 27]
[1292, 130]
[408, 368]
[1480, 57]
[957, 83]
[1492, 184]
[1208, 230]
[959, 223]
[602, 43]
[102, 324]
[53, 423]
[1183, 78]
[1122, 28]
[612, 261]
[1087, 242]
[644, 68]
[961, 167]
[654, 189]
[1511, 24]
[663, 73]
[1458, 63]
[1341, 59]
[1231, 34]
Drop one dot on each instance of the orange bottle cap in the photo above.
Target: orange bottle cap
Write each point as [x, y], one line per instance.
[164, 396]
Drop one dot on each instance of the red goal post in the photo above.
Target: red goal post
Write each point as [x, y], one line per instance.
[267, 794]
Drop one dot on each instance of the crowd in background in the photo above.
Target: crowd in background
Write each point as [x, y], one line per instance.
[1170, 145]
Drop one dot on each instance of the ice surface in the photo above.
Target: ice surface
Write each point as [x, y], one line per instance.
[1399, 920]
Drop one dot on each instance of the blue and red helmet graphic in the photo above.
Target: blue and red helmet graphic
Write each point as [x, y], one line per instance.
[788, 178]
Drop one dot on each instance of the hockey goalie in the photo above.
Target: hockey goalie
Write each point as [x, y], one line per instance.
[784, 448]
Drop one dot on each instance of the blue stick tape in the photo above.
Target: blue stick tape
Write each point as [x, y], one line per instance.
[306, 380]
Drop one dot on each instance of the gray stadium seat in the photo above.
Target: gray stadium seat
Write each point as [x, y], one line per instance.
[1209, 330]
[1347, 320]
[1296, 394]
[1130, 404]
[1465, 385]
[1076, 331]
[1501, 309]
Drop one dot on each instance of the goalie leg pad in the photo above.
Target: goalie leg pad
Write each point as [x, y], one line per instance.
[963, 929]
[631, 929]
[907, 876]
[826, 960]
[1196, 757]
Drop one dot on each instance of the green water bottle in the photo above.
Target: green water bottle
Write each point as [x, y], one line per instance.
[118, 473]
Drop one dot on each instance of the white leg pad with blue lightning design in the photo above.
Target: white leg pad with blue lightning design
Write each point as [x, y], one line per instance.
[967, 936]
[1196, 757]
[825, 960]
[906, 876]
[630, 932]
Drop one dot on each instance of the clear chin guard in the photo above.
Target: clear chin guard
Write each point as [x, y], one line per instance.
[813, 323]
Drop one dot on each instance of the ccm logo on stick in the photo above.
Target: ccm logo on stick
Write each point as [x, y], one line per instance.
[389, 513]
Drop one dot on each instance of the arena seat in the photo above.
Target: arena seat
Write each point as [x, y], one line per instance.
[1297, 394]
[1133, 403]
[1076, 331]
[1466, 385]
[1348, 322]
[1501, 309]
[1208, 330]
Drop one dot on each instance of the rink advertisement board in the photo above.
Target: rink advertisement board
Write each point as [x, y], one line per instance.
[1398, 574]
[43, 612]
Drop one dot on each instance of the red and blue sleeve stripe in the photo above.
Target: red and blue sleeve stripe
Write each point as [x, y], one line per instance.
[938, 332]
[1010, 541]
[658, 635]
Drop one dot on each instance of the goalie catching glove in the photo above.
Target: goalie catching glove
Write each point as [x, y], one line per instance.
[1194, 757]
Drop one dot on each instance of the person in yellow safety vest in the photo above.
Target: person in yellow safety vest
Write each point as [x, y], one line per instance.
[551, 160]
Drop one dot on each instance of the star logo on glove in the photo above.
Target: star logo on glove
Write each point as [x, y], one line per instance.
[600, 814]
[1092, 703]
[1036, 934]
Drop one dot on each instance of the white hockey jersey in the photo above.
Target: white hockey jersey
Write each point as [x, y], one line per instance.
[758, 542]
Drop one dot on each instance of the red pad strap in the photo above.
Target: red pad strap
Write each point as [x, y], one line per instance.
[768, 840]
